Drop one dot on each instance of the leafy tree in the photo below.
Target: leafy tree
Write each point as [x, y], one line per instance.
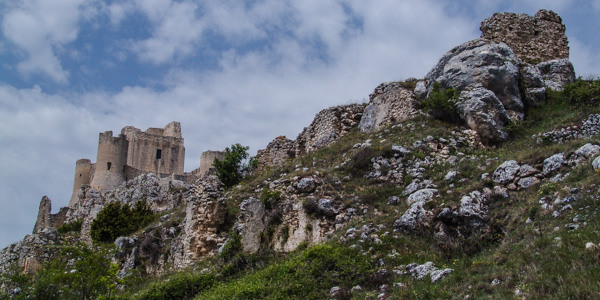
[117, 219]
[235, 165]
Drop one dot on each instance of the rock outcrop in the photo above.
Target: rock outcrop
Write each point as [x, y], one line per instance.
[533, 39]
[205, 211]
[492, 65]
[557, 73]
[484, 113]
[389, 103]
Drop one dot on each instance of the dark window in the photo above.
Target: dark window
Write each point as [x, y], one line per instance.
[108, 164]
[158, 153]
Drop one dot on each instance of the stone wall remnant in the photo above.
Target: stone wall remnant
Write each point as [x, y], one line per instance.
[533, 39]
[389, 103]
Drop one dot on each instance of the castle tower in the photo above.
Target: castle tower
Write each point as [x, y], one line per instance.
[206, 160]
[157, 150]
[83, 175]
[111, 162]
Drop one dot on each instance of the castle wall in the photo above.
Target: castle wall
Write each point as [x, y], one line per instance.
[533, 39]
[158, 154]
[206, 161]
[83, 175]
[110, 163]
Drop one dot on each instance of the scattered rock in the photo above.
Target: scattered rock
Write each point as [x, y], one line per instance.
[506, 172]
[423, 195]
[553, 163]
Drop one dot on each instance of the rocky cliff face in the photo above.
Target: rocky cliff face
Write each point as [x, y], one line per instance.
[281, 213]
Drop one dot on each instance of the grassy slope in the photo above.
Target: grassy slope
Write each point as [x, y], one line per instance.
[542, 260]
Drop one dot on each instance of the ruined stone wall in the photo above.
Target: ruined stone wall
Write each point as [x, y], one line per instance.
[111, 161]
[156, 150]
[83, 175]
[276, 153]
[206, 161]
[329, 125]
[533, 39]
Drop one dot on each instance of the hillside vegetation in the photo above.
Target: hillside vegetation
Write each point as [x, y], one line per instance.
[539, 242]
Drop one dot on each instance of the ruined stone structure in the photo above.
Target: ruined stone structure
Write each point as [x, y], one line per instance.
[46, 219]
[276, 153]
[206, 161]
[533, 39]
[328, 126]
[130, 154]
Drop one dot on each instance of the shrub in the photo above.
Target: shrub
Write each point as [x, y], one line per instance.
[117, 219]
[74, 226]
[269, 197]
[235, 165]
[79, 273]
[232, 247]
[182, 286]
[583, 92]
[441, 104]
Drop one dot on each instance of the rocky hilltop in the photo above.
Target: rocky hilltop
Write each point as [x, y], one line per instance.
[386, 200]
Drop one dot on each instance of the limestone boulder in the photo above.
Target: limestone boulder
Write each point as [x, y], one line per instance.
[422, 195]
[484, 113]
[417, 216]
[491, 64]
[473, 209]
[553, 163]
[534, 88]
[389, 103]
[506, 172]
[557, 73]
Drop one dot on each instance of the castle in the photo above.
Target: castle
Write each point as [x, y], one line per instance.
[134, 152]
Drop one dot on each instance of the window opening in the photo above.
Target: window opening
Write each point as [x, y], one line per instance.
[108, 164]
[158, 153]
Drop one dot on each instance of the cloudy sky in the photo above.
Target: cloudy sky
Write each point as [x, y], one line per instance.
[229, 71]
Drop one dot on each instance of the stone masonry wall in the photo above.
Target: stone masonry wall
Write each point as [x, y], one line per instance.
[533, 39]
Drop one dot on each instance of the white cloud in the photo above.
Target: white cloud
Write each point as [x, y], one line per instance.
[585, 58]
[176, 33]
[39, 28]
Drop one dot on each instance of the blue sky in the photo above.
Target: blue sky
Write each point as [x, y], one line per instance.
[229, 71]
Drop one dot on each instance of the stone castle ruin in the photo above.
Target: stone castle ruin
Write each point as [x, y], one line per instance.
[533, 39]
[131, 153]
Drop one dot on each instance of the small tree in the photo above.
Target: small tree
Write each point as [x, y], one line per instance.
[235, 165]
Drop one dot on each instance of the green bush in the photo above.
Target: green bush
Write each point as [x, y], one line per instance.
[235, 165]
[182, 286]
[269, 198]
[117, 219]
[441, 104]
[79, 273]
[583, 92]
[74, 226]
